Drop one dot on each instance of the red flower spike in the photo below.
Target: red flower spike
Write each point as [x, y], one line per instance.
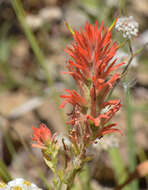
[91, 65]
[42, 136]
[92, 46]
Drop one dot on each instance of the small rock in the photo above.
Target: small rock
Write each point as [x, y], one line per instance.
[49, 14]
[34, 21]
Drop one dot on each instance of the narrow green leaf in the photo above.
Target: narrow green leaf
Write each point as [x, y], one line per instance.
[4, 173]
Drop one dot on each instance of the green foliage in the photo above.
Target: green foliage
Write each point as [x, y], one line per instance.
[4, 173]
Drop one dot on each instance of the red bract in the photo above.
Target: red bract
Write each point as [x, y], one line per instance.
[92, 54]
[73, 98]
[42, 136]
[91, 65]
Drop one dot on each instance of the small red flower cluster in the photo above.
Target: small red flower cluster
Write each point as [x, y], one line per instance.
[42, 136]
[92, 63]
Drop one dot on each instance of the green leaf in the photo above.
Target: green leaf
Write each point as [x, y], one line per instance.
[4, 173]
[50, 164]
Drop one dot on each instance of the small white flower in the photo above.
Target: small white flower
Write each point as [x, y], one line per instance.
[3, 186]
[17, 181]
[127, 26]
[19, 184]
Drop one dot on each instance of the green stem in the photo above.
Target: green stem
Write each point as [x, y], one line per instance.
[71, 178]
[71, 175]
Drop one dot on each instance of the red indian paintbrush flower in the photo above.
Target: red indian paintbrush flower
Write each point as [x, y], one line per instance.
[93, 67]
[42, 136]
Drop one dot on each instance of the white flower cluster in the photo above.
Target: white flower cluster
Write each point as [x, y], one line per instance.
[127, 26]
[18, 184]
